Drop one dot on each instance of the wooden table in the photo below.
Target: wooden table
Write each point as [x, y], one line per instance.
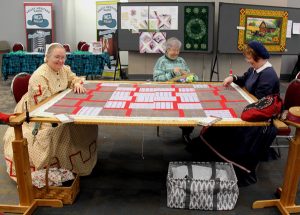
[286, 203]
[27, 203]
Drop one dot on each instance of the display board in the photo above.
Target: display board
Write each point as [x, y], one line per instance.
[191, 22]
[229, 25]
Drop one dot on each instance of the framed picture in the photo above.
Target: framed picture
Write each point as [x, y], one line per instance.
[267, 26]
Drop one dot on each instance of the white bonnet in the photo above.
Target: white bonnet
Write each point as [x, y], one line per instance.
[47, 49]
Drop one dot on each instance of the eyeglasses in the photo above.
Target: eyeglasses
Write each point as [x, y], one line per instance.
[63, 58]
[174, 50]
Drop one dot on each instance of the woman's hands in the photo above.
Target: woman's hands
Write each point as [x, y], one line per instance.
[78, 88]
[178, 71]
[227, 81]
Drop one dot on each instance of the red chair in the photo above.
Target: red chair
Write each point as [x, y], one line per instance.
[19, 85]
[4, 47]
[4, 119]
[85, 47]
[67, 47]
[291, 99]
[18, 47]
[80, 44]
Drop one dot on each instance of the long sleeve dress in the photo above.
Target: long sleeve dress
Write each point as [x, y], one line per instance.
[243, 145]
[68, 146]
[164, 68]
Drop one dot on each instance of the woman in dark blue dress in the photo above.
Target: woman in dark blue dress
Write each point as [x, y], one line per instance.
[244, 145]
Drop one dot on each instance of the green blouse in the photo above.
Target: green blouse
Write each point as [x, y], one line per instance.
[164, 68]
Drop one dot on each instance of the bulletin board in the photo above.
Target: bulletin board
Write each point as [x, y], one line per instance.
[229, 21]
[129, 37]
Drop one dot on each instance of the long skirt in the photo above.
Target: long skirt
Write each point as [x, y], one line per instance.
[69, 146]
[243, 145]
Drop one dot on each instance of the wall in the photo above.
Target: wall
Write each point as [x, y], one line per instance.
[75, 21]
[12, 20]
[201, 64]
[289, 61]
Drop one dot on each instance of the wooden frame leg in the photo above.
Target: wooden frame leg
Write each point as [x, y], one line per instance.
[21, 159]
[286, 203]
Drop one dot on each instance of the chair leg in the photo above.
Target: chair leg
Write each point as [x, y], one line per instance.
[157, 131]
[278, 148]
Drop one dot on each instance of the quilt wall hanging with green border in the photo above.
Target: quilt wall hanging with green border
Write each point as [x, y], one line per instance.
[196, 28]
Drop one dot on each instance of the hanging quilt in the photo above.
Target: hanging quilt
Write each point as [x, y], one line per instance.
[196, 28]
[152, 42]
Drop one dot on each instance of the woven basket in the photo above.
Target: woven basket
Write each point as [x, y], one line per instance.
[66, 194]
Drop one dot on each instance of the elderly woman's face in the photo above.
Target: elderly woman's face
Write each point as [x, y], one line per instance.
[249, 59]
[173, 53]
[56, 59]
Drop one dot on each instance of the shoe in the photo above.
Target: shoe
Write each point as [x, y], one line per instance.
[187, 139]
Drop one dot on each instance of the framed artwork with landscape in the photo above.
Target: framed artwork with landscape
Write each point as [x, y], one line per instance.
[267, 26]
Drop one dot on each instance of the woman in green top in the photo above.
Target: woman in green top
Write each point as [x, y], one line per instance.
[170, 64]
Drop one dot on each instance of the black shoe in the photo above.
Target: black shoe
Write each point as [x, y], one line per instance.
[187, 139]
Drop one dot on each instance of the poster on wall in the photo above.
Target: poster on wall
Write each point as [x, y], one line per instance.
[134, 17]
[196, 28]
[38, 25]
[108, 39]
[163, 17]
[106, 15]
[266, 26]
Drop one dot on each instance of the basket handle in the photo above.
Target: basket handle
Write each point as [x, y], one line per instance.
[189, 178]
[47, 176]
[216, 188]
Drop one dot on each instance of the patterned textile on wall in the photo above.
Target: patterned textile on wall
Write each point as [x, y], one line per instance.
[196, 28]
[152, 42]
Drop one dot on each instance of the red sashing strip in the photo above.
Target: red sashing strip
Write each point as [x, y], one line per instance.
[128, 112]
[88, 98]
[127, 103]
[233, 114]
[181, 113]
[175, 104]
[75, 111]
[223, 102]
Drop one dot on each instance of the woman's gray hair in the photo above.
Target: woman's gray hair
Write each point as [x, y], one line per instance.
[173, 42]
[50, 49]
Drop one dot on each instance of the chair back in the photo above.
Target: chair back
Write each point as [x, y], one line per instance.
[292, 97]
[67, 47]
[4, 46]
[80, 44]
[19, 85]
[18, 47]
[85, 47]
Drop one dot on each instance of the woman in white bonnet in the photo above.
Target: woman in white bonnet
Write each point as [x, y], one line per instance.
[68, 146]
